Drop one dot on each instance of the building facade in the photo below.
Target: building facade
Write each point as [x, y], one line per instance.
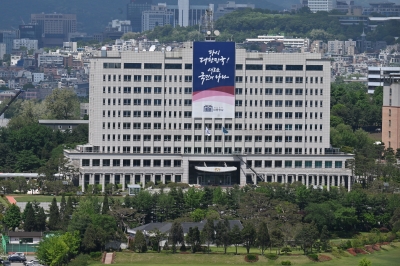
[143, 125]
[376, 76]
[391, 111]
[157, 16]
[134, 13]
[321, 5]
[7, 37]
[28, 44]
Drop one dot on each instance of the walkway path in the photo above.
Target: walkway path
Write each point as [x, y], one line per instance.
[11, 199]
[109, 258]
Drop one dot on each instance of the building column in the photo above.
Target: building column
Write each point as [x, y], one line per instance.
[328, 182]
[348, 183]
[112, 179]
[163, 178]
[318, 180]
[103, 182]
[122, 181]
[91, 179]
[82, 181]
[142, 180]
[295, 178]
[313, 180]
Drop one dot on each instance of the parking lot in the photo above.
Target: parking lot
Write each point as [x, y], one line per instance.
[28, 258]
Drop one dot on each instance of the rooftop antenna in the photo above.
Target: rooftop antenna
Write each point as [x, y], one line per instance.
[207, 27]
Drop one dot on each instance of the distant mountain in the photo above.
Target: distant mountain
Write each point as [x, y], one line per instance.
[94, 15]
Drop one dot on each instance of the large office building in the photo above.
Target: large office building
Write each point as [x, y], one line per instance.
[54, 28]
[134, 13]
[157, 16]
[320, 5]
[391, 111]
[377, 75]
[7, 37]
[209, 114]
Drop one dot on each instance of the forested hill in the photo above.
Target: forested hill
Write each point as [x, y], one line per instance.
[94, 15]
[248, 23]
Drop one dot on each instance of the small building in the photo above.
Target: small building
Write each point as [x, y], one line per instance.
[63, 125]
[25, 237]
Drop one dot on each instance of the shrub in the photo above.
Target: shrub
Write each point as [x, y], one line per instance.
[383, 230]
[364, 262]
[183, 248]
[286, 262]
[324, 258]
[251, 258]
[286, 250]
[95, 255]
[271, 256]
[80, 260]
[313, 256]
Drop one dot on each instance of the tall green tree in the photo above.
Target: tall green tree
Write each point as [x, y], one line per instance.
[105, 206]
[193, 238]
[236, 237]
[139, 244]
[222, 237]
[263, 239]
[208, 233]
[175, 235]
[63, 104]
[30, 219]
[54, 215]
[12, 217]
[324, 238]
[249, 236]
[40, 224]
[307, 236]
[63, 206]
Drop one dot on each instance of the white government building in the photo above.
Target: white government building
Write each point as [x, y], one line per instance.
[142, 125]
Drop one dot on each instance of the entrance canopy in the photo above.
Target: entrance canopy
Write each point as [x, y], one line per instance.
[216, 169]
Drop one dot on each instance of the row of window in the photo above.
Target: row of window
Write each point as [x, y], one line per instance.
[197, 126]
[216, 138]
[295, 164]
[189, 66]
[189, 78]
[209, 150]
[148, 102]
[278, 103]
[188, 90]
[128, 162]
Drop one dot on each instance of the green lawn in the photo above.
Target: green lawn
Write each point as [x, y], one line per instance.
[42, 198]
[388, 257]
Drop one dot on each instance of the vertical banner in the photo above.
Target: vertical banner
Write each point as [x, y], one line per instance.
[214, 79]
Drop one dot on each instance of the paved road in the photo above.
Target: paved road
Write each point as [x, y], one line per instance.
[45, 205]
[28, 258]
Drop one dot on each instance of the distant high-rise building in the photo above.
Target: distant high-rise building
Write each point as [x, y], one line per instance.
[157, 16]
[229, 7]
[7, 37]
[54, 28]
[134, 13]
[122, 25]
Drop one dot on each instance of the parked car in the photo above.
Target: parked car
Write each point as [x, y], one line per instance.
[6, 263]
[32, 263]
[16, 258]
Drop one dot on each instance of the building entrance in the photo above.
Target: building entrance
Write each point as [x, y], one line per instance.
[214, 173]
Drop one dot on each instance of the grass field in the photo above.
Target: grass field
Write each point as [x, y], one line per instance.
[390, 256]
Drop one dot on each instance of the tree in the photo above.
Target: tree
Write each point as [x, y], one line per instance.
[324, 238]
[193, 238]
[63, 205]
[106, 207]
[12, 217]
[208, 233]
[54, 216]
[52, 251]
[236, 237]
[222, 234]
[139, 244]
[93, 239]
[157, 236]
[40, 224]
[30, 219]
[307, 236]
[175, 235]
[248, 236]
[63, 104]
[263, 239]
[277, 238]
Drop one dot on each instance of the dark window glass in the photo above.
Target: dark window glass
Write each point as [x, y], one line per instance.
[239, 67]
[173, 66]
[188, 66]
[273, 67]
[132, 65]
[315, 68]
[253, 67]
[152, 66]
[294, 67]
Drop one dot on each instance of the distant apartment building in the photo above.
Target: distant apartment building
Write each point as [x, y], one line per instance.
[157, 16]
[28, 44]
[320, 5]
[7, 37]
[230, 6]
[388, 9]
[341, 47]
[54, 28]
[3, 50]
[37, 77]
[121, 25]
[288, 42]
[50, 59]
[134, 13]
[376, 76]
[391, 111]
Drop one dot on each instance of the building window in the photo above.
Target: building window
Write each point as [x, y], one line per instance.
[318, 164]
[308, 164]
[298, 164]
[288, 164]
[338, 164]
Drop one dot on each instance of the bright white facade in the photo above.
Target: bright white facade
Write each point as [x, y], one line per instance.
[50, 59]
[321, 5]
[287, 42]
[15, 59]
[142, 129]
[29, 44]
